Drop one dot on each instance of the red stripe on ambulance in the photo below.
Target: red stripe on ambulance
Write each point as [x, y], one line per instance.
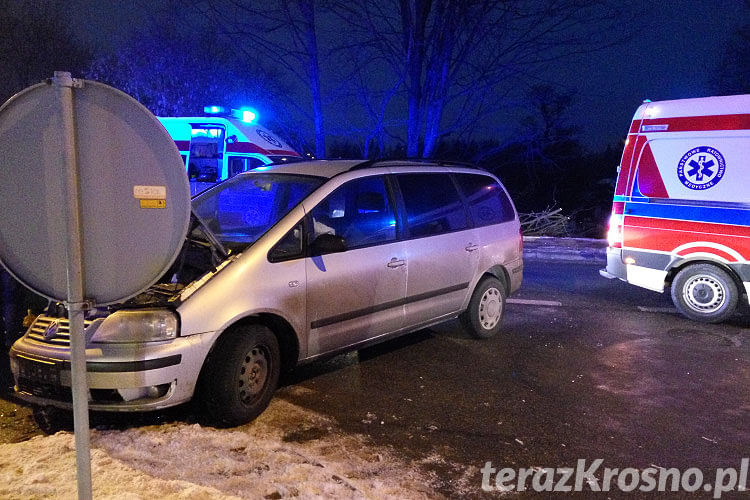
[707, 250]
[649, 178]
[699, 123]
[666, 240]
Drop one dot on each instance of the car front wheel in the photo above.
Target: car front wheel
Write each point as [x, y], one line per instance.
[241, 375]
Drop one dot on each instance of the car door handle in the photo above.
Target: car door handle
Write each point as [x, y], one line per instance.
[396, 263]
[471, 247]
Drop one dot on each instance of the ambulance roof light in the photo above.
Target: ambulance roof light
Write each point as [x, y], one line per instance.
[247, 115]
[214, 110]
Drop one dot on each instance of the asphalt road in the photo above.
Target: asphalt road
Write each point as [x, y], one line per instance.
[586, 368]
[593, 377]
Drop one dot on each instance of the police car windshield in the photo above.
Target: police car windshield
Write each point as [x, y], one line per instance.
[241, 209]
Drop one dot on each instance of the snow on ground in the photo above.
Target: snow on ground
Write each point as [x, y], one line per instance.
[188, 461]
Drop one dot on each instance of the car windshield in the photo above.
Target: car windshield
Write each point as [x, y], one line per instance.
[241, 209]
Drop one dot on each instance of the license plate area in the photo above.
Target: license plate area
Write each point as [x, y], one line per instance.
[39, 372]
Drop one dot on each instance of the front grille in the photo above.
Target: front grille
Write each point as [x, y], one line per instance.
[40, 330]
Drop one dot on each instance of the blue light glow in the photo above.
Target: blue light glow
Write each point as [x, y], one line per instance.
[262, 169]
[213, 110]
[249, 115]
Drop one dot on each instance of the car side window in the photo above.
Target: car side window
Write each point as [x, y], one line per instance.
[289, 246]
[488, 202]
[433, 205]
[360, 211]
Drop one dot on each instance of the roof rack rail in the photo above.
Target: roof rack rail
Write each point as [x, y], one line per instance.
[430, 161]
[365, 164]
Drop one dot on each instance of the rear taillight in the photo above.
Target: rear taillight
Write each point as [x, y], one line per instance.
[614, 233]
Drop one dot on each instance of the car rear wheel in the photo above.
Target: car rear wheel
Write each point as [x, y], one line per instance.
[241, 375]
[483, 318]
[704, 292]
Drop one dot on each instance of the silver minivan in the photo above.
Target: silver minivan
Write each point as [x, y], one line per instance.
[283, 266]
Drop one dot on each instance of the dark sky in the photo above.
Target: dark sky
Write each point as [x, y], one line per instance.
[672, 55]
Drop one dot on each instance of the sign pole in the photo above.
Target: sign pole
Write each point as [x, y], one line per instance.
[114, 247]
[76, 300]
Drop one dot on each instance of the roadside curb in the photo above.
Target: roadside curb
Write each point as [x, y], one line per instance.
[546, 248]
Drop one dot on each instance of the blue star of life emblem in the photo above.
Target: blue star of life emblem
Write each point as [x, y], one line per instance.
[701, 168]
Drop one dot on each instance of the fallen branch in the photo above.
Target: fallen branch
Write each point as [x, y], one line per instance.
[550, 222]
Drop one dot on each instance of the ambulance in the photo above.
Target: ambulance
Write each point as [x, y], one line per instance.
[224, 143]
[680, 217]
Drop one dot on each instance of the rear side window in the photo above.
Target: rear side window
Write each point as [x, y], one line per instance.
[433, 206]
[360, 211]
[487, 200]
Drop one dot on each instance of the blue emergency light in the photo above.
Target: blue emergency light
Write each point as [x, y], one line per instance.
[214, 110]
[247, 115]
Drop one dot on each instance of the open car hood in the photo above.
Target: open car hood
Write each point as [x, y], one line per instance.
[201, 253]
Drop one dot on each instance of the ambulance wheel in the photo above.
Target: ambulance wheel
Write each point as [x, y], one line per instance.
[705, 293]
[483, 318]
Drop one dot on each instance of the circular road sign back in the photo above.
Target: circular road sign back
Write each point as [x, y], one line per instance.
[134, 192]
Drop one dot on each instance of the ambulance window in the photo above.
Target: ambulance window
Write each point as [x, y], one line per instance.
[254, 163]
[237, 164]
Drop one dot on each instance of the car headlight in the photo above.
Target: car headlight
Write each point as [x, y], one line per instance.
[134, 326]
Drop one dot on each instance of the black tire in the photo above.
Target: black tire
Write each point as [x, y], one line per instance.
[52, 420]
[484, 316]
[704, 292]
[240, 376]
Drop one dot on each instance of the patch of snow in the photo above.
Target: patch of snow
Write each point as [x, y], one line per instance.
[184, 462]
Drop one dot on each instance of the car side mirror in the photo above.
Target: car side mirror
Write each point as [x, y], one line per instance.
[328, 243]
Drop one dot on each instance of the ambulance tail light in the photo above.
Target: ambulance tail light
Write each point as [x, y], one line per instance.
[614, 234]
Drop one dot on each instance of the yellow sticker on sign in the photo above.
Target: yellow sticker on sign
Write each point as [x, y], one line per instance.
[153, 203]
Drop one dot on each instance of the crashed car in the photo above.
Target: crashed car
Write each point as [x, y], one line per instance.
[284, 266]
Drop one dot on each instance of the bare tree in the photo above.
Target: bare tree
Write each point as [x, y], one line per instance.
[34, 42]
[281, 32]
[459, 55]
[175, 73]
